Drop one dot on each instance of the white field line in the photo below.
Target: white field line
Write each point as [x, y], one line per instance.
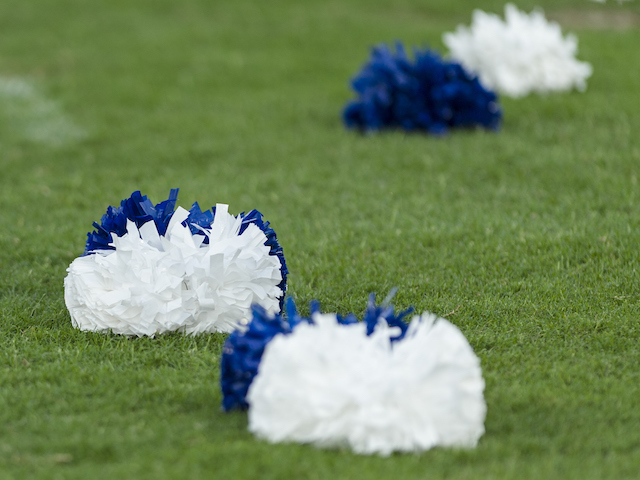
[33, 116]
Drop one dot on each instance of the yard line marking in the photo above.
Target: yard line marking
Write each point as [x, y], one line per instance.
[33, 116]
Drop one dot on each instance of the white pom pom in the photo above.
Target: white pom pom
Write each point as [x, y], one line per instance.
[151, 284]
[331, 385]
[523, 54]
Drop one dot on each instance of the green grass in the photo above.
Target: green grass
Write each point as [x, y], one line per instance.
[527, 239]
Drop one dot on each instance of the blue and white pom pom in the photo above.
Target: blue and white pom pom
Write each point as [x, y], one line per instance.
[520, 55]
[427, 94]
[377, 387]
[151, 269]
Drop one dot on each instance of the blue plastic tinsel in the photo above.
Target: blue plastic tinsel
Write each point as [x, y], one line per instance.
[139, 209]
[428, 94]
[374, 313]
[243, 351]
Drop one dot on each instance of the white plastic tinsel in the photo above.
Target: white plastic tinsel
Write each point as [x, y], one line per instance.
[331, 385]
[523, 54]
[152, 284]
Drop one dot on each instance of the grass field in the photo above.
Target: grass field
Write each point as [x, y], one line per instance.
[527, 239]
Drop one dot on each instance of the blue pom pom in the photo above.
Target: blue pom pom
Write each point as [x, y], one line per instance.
[243, 351]
[427, 94]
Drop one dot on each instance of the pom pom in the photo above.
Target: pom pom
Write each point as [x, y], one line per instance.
[428, 94]
[523, 54]
[139, 209]
[153, 269]
[332, 385]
